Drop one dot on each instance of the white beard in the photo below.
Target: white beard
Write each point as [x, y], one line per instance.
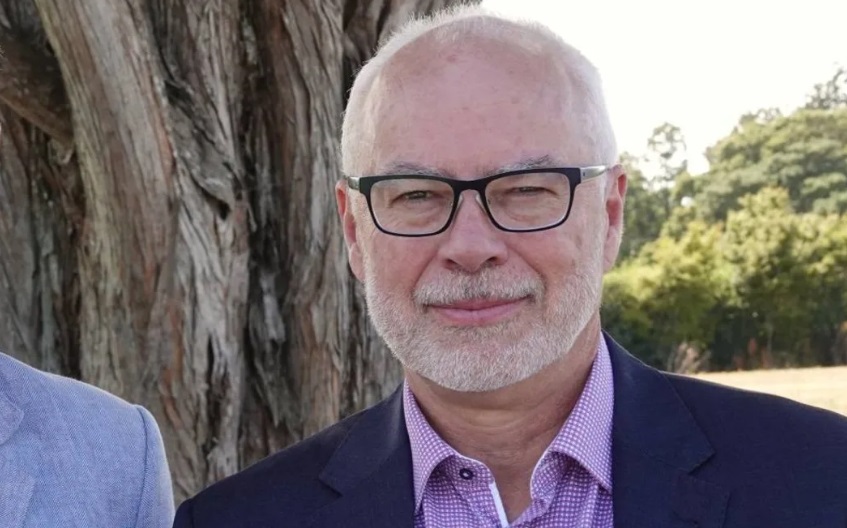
[483, 358]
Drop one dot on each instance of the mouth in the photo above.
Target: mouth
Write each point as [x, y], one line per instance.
[478, 312]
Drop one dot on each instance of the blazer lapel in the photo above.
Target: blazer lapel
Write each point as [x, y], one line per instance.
[372, 472]
[656, 445]
[16, 485]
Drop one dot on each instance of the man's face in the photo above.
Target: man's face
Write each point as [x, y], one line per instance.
[476, 308]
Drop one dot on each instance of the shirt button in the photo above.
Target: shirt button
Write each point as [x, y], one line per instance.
[466, 473]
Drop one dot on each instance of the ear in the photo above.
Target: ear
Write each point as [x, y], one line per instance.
[615, 198]
[344, 202]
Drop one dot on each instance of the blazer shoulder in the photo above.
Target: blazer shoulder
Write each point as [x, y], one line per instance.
[780, 458]
[748, 418]
[35, 390]
[80, 437]
[286, 481]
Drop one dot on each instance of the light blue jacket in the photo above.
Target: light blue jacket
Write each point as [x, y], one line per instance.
[72, 455]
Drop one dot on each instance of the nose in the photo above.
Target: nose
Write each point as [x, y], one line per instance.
[472, 242]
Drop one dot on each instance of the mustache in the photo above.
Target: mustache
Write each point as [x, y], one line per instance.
[482, 285]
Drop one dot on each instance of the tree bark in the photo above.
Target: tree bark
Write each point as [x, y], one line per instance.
[167, 217]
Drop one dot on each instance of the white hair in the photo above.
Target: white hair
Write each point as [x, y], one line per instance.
[456, 24]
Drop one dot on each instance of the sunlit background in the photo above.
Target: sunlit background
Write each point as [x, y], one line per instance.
[698, 65]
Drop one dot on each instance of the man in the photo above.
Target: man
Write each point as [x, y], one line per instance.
[482, 206]
[73, 456]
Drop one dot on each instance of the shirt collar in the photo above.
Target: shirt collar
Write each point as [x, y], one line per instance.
[586, 435]
[428, 448]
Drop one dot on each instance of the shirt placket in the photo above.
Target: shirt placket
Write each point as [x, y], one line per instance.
[473, 482]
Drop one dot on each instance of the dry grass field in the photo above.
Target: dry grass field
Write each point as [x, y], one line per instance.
[822, 386]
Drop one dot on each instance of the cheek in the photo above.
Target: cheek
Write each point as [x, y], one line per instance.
[585, 233]
[560, 255]
[585, 245]
[395, 263]
[563, 259]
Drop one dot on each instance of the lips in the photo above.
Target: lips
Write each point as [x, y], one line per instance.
[478, 312]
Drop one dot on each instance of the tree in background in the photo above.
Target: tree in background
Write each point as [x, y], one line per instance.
[644, 213]
[789, 276]
[666, 148]
[766, 288]
[167, 216]
[830, 94]
[652, 196]
[749, 269]
[769, 276]
[805, 153]
[662, 303]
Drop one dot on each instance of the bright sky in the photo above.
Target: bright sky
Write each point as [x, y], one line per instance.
[698, 65]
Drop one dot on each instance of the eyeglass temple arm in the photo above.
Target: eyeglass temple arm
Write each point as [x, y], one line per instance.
[589, 173]
[352, 182]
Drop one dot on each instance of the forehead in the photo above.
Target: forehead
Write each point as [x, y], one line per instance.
[472, 108]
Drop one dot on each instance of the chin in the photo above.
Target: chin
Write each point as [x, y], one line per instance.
[480, 365]
[486, 381]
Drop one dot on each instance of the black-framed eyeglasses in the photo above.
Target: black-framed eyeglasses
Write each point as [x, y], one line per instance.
[518, 201]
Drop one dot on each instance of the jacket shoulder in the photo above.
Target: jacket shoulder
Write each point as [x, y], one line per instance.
[39, 391]
[285, 483]
[779, 457]
[79, 437]
[767, 434]
[716, 406]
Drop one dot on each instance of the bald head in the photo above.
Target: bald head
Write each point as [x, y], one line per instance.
[474, 51]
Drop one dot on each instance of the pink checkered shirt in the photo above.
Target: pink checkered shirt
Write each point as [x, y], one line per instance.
[570, 486]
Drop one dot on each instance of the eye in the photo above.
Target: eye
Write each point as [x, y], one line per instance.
[412, 196]
[528, 190]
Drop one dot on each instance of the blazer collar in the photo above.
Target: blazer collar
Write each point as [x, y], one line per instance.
[372, 470]
[656, 446]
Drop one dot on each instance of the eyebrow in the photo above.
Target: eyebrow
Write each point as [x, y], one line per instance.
[412, 169]
[540, 162]
[416, 169]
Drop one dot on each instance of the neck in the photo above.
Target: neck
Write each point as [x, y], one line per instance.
[508, 429]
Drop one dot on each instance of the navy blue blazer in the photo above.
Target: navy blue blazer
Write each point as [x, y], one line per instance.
[685, 453]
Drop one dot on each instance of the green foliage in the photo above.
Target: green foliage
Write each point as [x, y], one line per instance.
[744, 266]
[666, 147]
[767, 287]
[665, 296]
[831, 94]
[645, 210]
[805, 153]
[763, 240]
[651, 198]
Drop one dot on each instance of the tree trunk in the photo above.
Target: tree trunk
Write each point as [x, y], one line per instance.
[167, 216]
